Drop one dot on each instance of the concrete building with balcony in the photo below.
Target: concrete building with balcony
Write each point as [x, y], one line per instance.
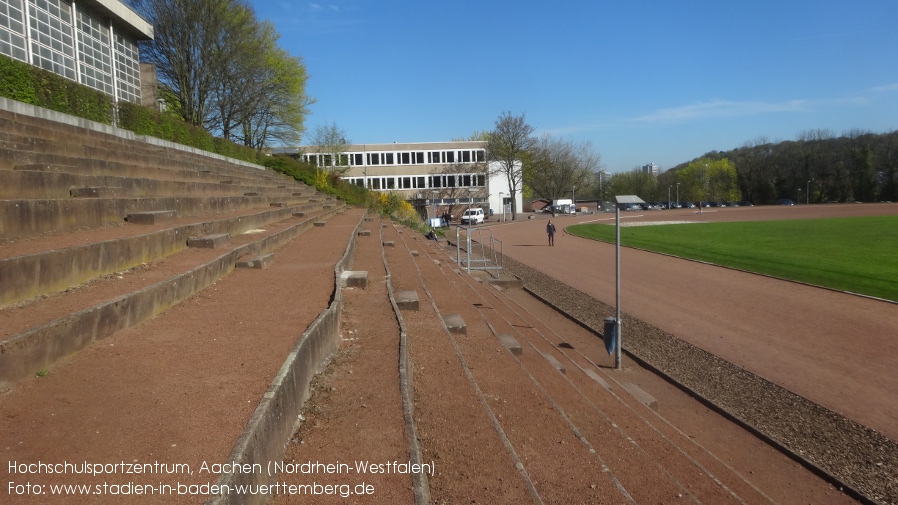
[92, 42]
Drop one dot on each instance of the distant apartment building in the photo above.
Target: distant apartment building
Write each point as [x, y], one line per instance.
[434, 176]
[92, 42]
[651, 169]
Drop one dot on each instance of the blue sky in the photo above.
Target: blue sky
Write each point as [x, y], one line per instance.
[643, 81]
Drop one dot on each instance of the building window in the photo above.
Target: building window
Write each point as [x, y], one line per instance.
[418, 157]
[421, 182]
[94, 52]
[389, 159]
[449, 156]
[52, 47]
[12, 30]
[359, 160]
[127, 69]
[481, 155]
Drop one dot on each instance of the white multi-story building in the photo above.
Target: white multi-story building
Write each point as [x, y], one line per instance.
[435, 176]
[92, 42]
[651, 169]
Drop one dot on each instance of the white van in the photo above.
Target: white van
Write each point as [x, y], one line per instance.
[472, 216]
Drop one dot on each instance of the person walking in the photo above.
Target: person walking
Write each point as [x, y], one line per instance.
[550, 231]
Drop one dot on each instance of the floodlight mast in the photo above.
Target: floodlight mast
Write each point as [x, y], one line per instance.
[617, 322]
[617, 330]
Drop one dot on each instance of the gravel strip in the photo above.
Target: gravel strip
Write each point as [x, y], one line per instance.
[858, 458]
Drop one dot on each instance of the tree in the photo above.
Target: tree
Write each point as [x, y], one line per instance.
[506, 144]
[224, 70]
[558, 166]
[330, 141]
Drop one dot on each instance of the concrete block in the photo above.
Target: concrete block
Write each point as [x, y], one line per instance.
[278, 204]
[297, 194]
[209, 241]
[320, 224]
[96, 192]
[436, 262]
[326, 207]
[257, 262]
[354, 279]
[455, 324]
[407, 300]
[364, 233]
[594, 376]
[554, 362]
[640, 395]
[507, 283]
[369, 218]
[415, 253]
[389, 243]
[299, 214]
[511, 344]
[152, 217]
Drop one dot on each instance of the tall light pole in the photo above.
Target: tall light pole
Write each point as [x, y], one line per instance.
[668, 197]
[807, 195]
[678, 194]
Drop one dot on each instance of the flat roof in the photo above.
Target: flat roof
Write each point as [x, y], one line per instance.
[124, 17]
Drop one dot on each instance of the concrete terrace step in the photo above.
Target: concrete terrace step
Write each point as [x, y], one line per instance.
[184, 386]
[21, 218]
[653, 451]
[37, 184]
[45, 330]
[47, 265]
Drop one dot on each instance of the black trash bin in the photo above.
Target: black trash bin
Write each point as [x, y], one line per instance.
[609, 336]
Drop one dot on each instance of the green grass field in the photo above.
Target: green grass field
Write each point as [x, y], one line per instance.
[857, 254]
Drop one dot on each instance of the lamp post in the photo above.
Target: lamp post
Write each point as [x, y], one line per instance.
[668, 197]
[798, 200]
[573, 198]
[807, 195]
[678, 194]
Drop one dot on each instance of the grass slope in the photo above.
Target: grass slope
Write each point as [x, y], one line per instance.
[852, 254]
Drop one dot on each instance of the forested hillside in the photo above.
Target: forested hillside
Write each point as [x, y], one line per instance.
[819, 168]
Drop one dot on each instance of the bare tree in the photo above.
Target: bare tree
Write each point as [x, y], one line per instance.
[506, 144]
[558, 166]
[330, 141]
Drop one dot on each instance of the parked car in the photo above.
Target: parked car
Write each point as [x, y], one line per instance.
[472, 216]
[785, 201]
[687, 205]
[744, 203]
[653, 206]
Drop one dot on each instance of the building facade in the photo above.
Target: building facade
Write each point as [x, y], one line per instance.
[436, 177]
[651, 169]
[92, 42]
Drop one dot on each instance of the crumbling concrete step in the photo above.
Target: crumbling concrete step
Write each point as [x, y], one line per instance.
[354, 279]
[455, 324]
[97, 192]
[643, 397]
[256, 262]
[151, 217]
[554, 362]
[407, 300]
[511, 343]
[209, 241]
